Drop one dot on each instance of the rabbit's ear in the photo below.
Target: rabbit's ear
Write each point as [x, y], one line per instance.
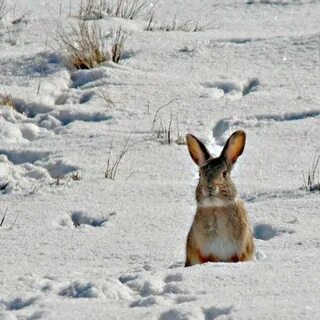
[234, 147]
[197, 150]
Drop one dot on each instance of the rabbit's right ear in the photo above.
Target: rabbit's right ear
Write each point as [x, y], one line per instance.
[197, 150]
[234, 147]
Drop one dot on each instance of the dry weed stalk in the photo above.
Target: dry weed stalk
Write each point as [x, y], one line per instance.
[114, 162]
[312, 180]
[3, 218]
[4, 9]
[118, 39]
[186, 26]
[164, 131]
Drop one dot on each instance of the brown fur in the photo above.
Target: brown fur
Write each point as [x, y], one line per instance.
[230, 221]
[221, 224]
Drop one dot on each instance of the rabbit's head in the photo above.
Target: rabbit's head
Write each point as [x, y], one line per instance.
[215, 186]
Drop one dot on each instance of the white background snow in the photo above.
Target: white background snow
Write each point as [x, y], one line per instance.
[100, 249]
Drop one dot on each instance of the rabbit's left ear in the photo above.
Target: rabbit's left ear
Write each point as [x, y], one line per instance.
[234, 147]
[197, 150]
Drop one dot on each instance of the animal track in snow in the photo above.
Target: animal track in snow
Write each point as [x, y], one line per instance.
[177, 265]
[154, 291]
[214, 312]
[20, 169]
[83, 79]
[74, 97]
[144, 302]
[219, 89]
[264, 231]
[25, 156]
[223, 125]
[174, 314]
[195, 313]
[52, 116]
[81, 218]
[79, 289]
[177, 277]
[278, 195]
[61, 102]
[37, 315]
[36, 120]
[18, 303]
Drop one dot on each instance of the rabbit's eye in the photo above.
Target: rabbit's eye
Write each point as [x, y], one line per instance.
[225, 173]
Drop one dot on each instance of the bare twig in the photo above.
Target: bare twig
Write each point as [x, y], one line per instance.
[14, 222]
[106, 98]
[4, 216]
[3, 219]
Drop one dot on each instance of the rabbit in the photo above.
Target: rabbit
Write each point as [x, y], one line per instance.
[220, 231]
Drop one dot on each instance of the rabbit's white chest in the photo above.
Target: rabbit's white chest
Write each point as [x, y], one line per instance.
[221, 247]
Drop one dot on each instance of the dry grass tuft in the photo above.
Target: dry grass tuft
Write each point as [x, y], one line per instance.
[85, 45]
[126, 9]
[92, 9]
[7, 101]
[133, 9]
[186, 26]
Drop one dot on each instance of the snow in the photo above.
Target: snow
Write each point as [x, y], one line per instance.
[75, 245]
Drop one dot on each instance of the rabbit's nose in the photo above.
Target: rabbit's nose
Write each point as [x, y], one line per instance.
[214, 190]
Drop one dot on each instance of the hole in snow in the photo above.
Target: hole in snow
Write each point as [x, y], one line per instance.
[250, 86]
[266, 231]
[144, 302]
[214, 312]
[24, 156]
[80, 218]
[225, 86]
[177, 277]
[83, 77]
[19, 303]
[79, 290]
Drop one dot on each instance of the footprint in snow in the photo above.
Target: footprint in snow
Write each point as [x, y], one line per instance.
[155, 290]
[79, 219]
[79, 289]
[19, 303]
[264, 231]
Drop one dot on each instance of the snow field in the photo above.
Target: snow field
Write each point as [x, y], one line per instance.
[75, 245]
